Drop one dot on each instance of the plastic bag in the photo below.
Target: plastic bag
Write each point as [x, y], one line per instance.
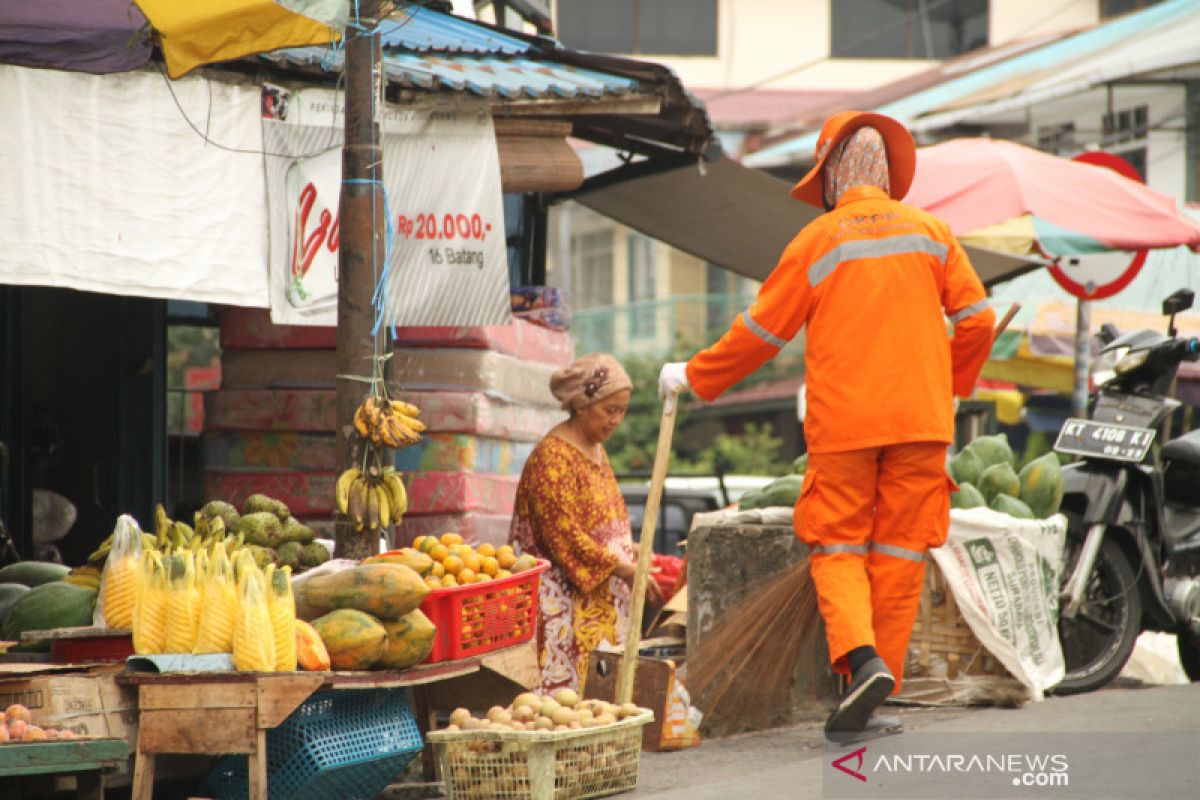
[183, 603]
[218, 605]
[150, 611]
[283, 616]
[118, 582]
[253, 639]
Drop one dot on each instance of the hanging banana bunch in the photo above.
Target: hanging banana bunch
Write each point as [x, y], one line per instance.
[374, 499]
[388, 423]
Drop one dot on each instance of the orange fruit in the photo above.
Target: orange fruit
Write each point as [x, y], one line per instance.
[425, 543]
[439, 552]
[437, 570]
[491, 566]
[461, 550]
[482, 576]
[474, 561]
[505, 559]
[486, 550]
[523, 563]
[466, 575]
[452, 564]
[503, 574]
[433, 582]
[450, 538]
[449, 580]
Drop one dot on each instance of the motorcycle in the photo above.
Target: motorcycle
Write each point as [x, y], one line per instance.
[1133, 515]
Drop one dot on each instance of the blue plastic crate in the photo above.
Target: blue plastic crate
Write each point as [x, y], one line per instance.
[346, 745]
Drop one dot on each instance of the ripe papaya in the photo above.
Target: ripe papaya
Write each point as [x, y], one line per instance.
[386, 591]
[355, 640]
[311, 653]
[415, 560]
[1042, 485]
[409, 641]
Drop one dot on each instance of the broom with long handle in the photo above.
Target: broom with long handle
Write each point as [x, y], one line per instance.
[658, 475]
[744, 666]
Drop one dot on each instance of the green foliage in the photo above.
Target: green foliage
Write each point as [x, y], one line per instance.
[631, 449]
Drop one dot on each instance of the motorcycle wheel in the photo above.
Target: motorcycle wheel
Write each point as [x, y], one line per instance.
[1099, 640]
[1189, 655]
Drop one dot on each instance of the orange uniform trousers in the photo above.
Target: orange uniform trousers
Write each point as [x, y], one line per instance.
[868, 517]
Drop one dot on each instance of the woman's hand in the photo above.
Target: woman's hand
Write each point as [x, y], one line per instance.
[626, 570]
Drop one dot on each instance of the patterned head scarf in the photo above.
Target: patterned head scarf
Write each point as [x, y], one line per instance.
[858, 160]
[588, 381]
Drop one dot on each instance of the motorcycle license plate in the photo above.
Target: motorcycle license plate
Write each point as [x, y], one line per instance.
[1084, 437]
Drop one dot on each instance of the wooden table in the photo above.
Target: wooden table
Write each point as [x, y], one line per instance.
[86, 759]
[230, 712]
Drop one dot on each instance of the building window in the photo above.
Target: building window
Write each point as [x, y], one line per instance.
[1114, 8]
[1126, 125]
[651, 27]
[641, 285]
[591, 257]
[907, 28]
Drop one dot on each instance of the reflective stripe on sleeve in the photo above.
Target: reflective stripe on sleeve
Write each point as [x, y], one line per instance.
[761, 332]
[830, 549]
[969, 311]
[824, 266]
[898, 552]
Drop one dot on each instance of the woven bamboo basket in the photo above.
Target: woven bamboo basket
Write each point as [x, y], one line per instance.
[941, 635]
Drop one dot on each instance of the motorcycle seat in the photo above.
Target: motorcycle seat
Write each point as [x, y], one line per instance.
[1185, 449]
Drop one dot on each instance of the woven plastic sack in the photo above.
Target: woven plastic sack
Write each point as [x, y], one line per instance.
[150, 612]
[218, 606]
[253, 638]
[118, 582]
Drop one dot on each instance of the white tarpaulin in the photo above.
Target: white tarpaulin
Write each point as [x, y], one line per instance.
[441, 175]
[106, 187]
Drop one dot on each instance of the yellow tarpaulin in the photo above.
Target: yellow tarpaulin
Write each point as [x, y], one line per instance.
[198, 33]
[1016, 236]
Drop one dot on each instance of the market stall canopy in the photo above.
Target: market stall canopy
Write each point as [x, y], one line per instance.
[733, 216]
[1073, 208]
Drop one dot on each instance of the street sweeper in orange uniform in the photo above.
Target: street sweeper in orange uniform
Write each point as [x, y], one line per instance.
[876, 283]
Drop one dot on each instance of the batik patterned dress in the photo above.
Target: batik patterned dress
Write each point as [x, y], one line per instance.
[569, 510]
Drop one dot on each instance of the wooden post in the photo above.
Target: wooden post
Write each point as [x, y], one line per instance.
[361, 250]
[658, 475]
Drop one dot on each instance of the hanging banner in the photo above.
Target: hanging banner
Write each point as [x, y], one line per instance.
[447, 263]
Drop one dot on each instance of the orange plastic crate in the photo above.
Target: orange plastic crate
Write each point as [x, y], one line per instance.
[481, 617]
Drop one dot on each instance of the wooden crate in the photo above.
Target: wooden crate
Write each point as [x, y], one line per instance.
[940, 632]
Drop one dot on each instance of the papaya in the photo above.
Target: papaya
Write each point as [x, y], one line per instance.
[51, 605]
[1042, 485]
[415, 560]
[966, 467]
[967, 496]
[33, 573]
[9, 593]
[387, 591]
[311, 653]
[999, 479]
[993, 450]
[409, 641]
[355, 640]
[1007, 504]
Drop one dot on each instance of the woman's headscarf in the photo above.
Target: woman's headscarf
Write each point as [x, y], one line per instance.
[858, 160]
[588, 381]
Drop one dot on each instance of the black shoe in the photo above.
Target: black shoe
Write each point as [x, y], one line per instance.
[877, 725]
[870, 687]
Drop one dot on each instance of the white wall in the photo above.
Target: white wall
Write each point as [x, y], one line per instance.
[1020, 19]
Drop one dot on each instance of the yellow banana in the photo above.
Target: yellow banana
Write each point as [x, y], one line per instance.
[361, 423]
[373, 496]
[385, 504]
[396, 492]
[357, 503]
[341, 490]
[162, 525]
[404, 409]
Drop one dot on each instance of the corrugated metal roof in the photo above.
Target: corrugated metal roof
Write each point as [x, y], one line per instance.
[429, 50]
[1017, 73]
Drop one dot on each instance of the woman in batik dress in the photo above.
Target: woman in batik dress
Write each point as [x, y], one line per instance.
[569, 510]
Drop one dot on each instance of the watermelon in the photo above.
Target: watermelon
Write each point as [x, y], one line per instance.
[965, 467]
[51, 605]
[1007, 504]
[9, 592]
[999, 479]
[993, 450]
[1042, 485]
[33, 573]
[967, 496]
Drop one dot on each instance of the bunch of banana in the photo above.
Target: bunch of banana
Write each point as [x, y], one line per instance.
[372, 500]
[388, 423]
[88, 577]
[100, 554]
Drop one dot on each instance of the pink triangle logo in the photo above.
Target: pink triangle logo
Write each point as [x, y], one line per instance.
[853, 772]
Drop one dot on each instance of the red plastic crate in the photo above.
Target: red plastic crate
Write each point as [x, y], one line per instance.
[482, 617]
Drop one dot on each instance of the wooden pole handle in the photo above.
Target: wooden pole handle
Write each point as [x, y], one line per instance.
[658, 476]
[1007, 318]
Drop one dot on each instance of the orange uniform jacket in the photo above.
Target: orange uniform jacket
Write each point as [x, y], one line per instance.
[874, 280]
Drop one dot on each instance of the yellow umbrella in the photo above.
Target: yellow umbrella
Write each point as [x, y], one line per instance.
[197, 33]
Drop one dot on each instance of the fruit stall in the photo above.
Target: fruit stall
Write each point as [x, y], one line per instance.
[235, 636]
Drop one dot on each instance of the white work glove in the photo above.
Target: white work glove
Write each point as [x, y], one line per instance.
[671, 381]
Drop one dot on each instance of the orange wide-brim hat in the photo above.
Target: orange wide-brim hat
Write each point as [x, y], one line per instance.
[901, 153]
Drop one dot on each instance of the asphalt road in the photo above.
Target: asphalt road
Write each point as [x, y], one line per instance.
[1127, 741]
